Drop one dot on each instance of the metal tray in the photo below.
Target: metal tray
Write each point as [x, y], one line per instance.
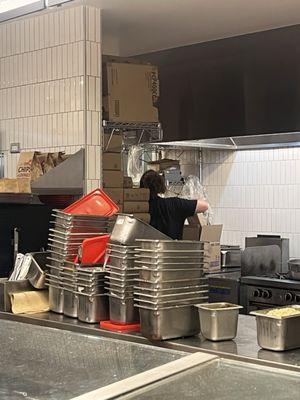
[56, 299]
[70, 304]
[159, 285]
[157, 264]
[169, 323]
[63, 214]
[122, 311]
[118, 248]
[277, 333]
[67, 233]
[140, 252]
[176, 290]
[219, 321]
[128, 228]
[170, 244]
[169, 274]
[37, 270]
[170, 303]
[92, 309]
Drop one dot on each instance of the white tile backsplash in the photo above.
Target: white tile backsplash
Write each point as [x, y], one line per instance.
[257, 191]
[44, 83]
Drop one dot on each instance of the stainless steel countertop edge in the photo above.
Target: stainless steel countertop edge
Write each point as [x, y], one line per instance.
[93, 330]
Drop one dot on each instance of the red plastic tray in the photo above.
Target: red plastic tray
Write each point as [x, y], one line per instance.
[119, 328]
[94, 203]
[93, 250]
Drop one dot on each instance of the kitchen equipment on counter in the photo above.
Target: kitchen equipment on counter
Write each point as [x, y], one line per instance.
[224, 286]
[277, 333]
[128, 228]
[231, 256]
[294, 269]
[261, 260]
[218, 321]
[8, 287]
[270, 240]
[37, 269]
[260, 292]
[119, 282]
[78, 291]
[171, 280]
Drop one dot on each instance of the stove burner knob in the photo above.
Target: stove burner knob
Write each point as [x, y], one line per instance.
[266, 294]
[288, 297]
[297, 298]
[256, 293]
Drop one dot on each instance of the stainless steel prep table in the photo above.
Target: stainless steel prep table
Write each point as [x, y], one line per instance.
[45, 363]
[244, 347]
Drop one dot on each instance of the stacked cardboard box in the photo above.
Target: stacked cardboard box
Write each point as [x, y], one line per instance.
[136, 202]
[112, 167]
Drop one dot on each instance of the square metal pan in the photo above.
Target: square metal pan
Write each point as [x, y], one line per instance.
[155, 244]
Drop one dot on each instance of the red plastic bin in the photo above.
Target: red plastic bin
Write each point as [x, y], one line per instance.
[93, 250]
[94, 203]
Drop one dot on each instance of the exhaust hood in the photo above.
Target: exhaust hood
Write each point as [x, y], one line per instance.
[274, 140]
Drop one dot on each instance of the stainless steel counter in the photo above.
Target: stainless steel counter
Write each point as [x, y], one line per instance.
[44, 363]
[244, 347]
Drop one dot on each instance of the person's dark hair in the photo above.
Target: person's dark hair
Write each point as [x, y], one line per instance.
[154, 182]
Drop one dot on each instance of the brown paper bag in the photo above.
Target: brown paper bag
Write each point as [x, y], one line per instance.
[24, 185]
[29, 166]
[29, 302]
[9, 185]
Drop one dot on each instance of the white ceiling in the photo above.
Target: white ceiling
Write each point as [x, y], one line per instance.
[149, 25]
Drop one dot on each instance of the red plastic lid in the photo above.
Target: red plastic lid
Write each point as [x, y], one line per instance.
[94, 203]
[93, 250]
[120, 328]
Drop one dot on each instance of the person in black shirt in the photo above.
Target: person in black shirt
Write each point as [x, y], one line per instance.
[168, 214]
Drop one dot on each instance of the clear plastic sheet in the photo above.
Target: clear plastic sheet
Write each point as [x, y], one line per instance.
[191, 189]
[135, 164]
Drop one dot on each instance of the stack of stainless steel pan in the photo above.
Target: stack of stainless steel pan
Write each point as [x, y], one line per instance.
[64, 240]
[171, 280]
[92, 295]
[70, 230]
[120, 281]
[78, 291]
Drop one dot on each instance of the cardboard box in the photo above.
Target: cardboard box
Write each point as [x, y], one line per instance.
[211, 236]
[131, 207]
[143, 216]
[127, 182]
[112, 161]
[113, 143]
[136, 194]
[112, 179]
[163, 164]
[15, 185]
[130, 92]
[116, 195]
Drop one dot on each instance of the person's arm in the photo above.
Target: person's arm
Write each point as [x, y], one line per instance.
[201, 206]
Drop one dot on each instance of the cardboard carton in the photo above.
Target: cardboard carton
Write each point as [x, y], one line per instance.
[143, 216]
[131, 207]
[112, 161]
[211, 236]
[130, 92]
[21, 185]
[113, 143]
[116, 194]
[127, 182]
[136, 194]
[112, 179]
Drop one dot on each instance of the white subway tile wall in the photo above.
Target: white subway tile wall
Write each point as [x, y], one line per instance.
[255, 191]
[50, 90]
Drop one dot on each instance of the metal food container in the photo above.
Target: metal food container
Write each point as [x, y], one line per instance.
[163, 324]
[218, 321]
[70, 308]
[171, 284]
[128, 228]
[56, 299]
[36, 273]
[122, 311]
[169, 274]
[167, 244]
[92, 309]
[277, 333]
